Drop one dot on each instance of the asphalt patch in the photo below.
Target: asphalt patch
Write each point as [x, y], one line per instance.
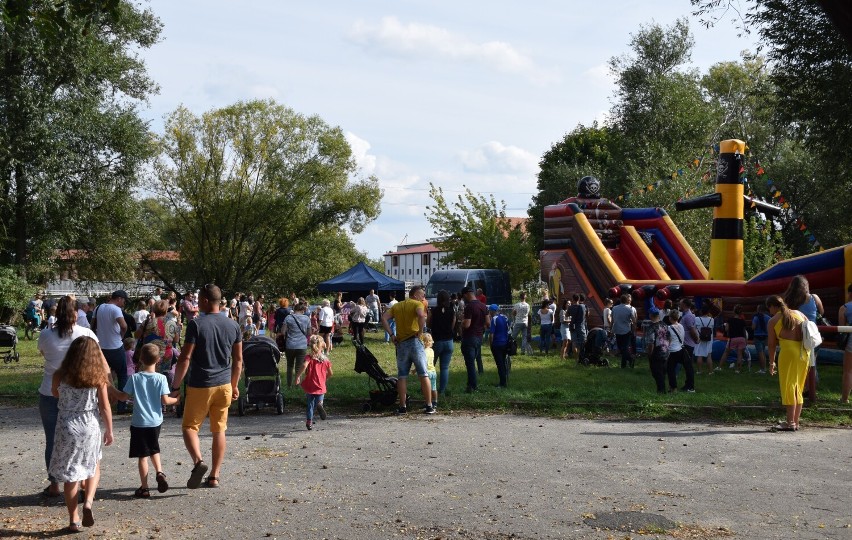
[630, 522]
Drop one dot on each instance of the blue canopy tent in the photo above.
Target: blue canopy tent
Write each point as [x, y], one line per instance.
[358, 280]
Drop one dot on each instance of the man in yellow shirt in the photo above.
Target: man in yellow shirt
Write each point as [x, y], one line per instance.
[410, 318]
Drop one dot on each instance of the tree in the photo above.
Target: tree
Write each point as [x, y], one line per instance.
[477, 234]
[71, 141]
[256, 188]
[14, 293]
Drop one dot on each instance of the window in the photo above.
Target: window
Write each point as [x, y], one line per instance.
[426, 259]
[395, 260]
[409, 271]
[417, 272]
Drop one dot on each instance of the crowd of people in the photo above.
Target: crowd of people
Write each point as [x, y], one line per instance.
[97, 354]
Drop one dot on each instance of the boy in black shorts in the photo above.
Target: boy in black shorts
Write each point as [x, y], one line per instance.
[150, 392]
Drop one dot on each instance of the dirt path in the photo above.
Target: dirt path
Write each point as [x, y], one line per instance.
[456, 476]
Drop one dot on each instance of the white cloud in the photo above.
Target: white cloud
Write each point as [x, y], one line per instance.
[413, 39]
[360, 147]
[495, 157]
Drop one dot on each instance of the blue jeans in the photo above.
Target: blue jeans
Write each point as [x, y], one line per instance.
[392, 324]
[410, 352]
[444, 353]
[117, 360]
[48, 408]
[471, 348]
[313, 401]
[546, 332]
[578, 339]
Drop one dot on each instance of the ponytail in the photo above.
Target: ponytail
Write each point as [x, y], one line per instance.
[788, 322]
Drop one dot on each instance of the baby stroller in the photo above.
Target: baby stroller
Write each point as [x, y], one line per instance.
[384, 395]
[593, 349]
[9, 344]
[262, 379]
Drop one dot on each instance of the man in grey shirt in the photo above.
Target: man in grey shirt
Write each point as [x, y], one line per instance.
[623, 326]
[372, 300]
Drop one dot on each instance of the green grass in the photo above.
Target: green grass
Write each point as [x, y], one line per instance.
[538, 385]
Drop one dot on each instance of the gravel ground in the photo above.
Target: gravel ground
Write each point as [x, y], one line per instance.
[456, 476]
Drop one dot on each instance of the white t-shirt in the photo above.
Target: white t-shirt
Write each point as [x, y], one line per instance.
[140, 316]
[676, 336]
[54, 350]
[109, 332]
[607, 314]
[326, 317]
[546, 316]
[522, 312]
[372, 301]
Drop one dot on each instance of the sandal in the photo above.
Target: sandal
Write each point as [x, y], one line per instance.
[162, 484]
[73, 527]
[88, 518]
[211, 482]
[784, 426]
[197, 475]
[49, 494]
[142, 493]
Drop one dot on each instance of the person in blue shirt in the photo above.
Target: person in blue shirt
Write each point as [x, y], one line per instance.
[150, 391]
[759, 326]
[498, 339]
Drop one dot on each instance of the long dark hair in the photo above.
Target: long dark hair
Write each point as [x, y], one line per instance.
[66, 315]
[797, 292]
[443, 299]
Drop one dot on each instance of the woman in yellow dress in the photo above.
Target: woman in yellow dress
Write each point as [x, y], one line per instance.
[786, 331]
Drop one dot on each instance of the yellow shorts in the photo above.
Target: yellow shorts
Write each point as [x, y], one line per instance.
[203, 402]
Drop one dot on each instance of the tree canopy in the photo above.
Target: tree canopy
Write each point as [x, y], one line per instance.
[71, 141]
[258, 195]
[477, 234]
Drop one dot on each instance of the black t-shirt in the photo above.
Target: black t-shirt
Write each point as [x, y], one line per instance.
[441, 325]
[214, 336]
[736, 327]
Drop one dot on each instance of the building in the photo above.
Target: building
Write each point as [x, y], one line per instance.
[415, 262]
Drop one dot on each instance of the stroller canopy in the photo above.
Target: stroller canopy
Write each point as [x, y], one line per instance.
[360, 279]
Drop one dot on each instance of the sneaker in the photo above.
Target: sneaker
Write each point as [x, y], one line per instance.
[718, 369]
[691, 390]
[730, 366]
[321, 411]
[761, 372]
[401, 410]
[435, 405]
[428, 409]
[309, 425]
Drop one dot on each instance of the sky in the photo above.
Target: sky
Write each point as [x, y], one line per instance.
[461, 93]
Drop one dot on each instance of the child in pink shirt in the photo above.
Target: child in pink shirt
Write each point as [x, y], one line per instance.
[316, 369]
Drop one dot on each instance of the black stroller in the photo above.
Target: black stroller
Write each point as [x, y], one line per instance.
[9, 344]
[262, 379]
[593, 349]
[384, 395]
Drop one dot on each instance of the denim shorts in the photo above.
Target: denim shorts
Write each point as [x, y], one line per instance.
[760, 344]
[410, 352]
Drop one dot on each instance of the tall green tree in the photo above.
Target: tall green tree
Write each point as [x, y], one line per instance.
[71, 141]
[477, 234]
[255, 188]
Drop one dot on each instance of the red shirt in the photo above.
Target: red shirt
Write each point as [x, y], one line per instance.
[316, 372]
[481, 298]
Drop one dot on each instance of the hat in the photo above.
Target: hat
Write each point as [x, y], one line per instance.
[466, 290]
[653, 312]
[120, 294]
[494, 307]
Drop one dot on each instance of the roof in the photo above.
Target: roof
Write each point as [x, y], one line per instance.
[515, 222]
[425, 248]
[360, 278]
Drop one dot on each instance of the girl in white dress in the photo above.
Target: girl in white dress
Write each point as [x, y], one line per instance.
[81, 386]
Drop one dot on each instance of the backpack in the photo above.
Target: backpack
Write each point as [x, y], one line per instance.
[705, 333]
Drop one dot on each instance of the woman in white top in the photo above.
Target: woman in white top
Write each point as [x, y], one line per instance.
[564, 331]
[704, 326]
[677, 356]
[546, 331]
[53, 344]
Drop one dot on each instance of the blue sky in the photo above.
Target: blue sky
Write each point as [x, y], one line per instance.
[457, 93]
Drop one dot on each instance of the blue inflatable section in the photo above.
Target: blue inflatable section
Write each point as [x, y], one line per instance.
[671, 254]
[641, 213]
[832, 258]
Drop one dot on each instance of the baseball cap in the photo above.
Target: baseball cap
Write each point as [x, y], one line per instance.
[653, 311]
[120, 294]
[466, 290]
[494, 307]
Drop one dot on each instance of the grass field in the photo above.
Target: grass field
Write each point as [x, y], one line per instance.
[537, 385]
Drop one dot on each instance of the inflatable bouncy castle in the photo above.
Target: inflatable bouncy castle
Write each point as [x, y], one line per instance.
[593, 246]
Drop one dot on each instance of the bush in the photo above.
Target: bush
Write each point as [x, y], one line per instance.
[15, 292]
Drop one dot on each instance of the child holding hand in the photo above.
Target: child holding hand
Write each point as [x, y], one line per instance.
[316, 369]
[81, 385]
[428, 341]
[150, 392]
